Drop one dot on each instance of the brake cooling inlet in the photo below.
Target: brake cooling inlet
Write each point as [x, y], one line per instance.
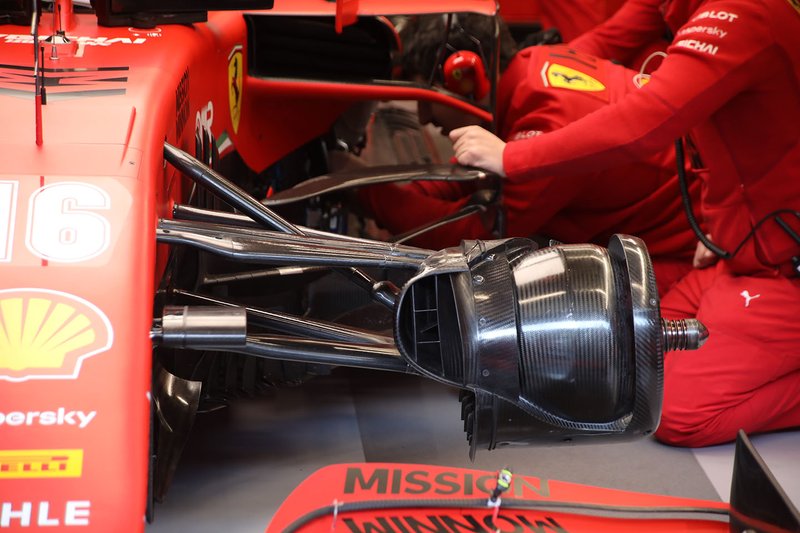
[549, 345]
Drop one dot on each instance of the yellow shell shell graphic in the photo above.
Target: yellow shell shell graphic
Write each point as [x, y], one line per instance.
[47, 334]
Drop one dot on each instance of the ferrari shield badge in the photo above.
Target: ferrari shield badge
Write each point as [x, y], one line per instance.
[235, 86]
[555, 75]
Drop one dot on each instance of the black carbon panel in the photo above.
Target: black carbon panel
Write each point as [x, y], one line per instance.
[493, 290]
[576, 357]
[648, 340]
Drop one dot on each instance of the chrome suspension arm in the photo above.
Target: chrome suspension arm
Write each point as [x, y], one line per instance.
[240, 244]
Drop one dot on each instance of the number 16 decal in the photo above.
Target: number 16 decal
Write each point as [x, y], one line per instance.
[63, 225]
[8, 213]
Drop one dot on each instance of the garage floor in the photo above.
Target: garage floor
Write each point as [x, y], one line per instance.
[242, 462]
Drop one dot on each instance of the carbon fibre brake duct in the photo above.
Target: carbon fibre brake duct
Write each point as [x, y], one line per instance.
[550, 345]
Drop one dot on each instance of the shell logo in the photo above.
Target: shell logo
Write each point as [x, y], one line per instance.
[46, 334]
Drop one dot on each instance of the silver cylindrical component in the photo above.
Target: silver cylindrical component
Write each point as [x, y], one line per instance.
[683, 334]
[202, 327]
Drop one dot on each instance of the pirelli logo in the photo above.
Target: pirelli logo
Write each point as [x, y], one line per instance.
[26, 464]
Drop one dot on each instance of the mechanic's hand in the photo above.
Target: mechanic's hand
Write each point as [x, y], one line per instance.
[371, 230]
[339, 160]
[477, 147]
[703, 257]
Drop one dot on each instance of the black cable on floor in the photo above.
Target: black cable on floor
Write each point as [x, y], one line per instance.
[591, 509]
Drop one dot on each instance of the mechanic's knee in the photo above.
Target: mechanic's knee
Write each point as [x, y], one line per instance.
[674, 435]
[690, 430]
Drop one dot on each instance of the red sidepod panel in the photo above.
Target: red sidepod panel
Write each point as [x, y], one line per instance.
[78, 259]
[408, 497]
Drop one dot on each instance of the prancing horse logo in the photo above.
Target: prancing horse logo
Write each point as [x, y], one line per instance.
[235, 68]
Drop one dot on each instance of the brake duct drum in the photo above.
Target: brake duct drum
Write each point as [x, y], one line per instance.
[549, 344]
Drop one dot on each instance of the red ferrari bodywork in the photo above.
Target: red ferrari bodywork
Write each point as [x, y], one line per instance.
[406, 497]
[79, 262]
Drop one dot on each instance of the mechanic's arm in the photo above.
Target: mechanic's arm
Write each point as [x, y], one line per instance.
[635, 25]
[689, 87]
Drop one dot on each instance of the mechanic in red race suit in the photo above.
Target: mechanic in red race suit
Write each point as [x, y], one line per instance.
[732, 80]
[629, 37]
[583, 207]
[573, 17]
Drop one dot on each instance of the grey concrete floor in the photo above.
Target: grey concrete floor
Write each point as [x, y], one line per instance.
[241, 463]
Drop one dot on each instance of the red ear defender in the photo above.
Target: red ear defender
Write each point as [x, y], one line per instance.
[464, 74]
